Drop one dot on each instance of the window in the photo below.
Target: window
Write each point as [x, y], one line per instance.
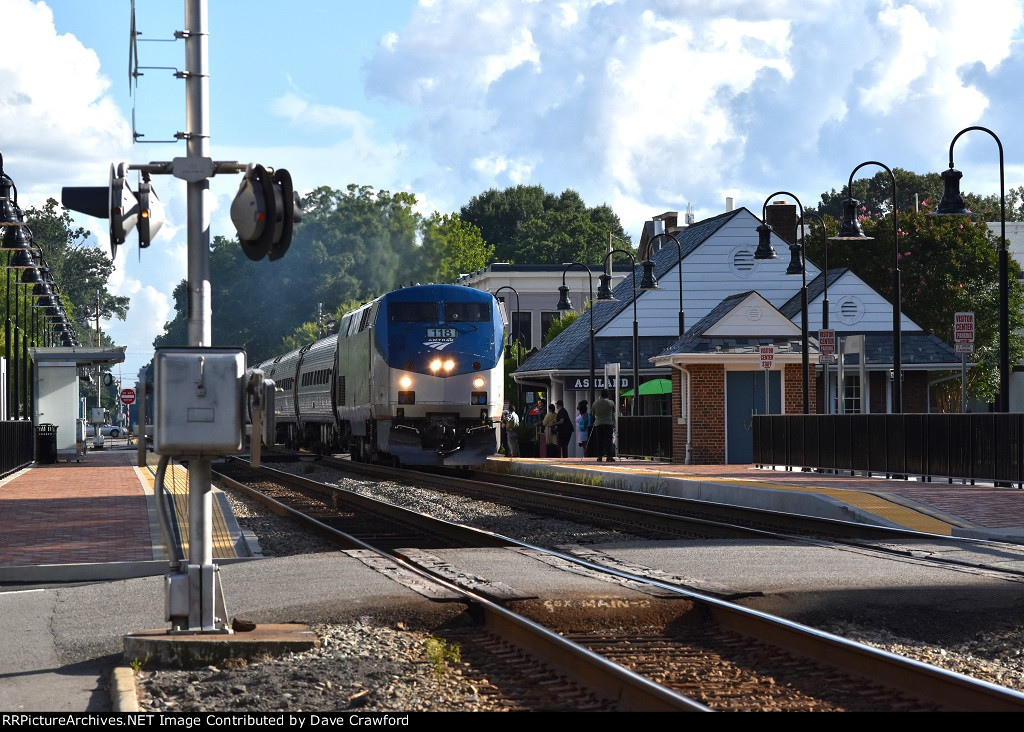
[522, 329]
[469, 312]
[547, 317]
[412, 312]
[851, 394]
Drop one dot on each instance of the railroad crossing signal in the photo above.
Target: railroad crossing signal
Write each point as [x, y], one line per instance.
[263, 212]
[123, 207]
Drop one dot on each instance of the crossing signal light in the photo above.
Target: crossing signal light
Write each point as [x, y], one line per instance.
[264, 211]
[151, 212]
[124, 209]
[121, 206]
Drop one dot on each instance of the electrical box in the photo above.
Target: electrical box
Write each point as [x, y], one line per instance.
[199, 395]
[97, 415]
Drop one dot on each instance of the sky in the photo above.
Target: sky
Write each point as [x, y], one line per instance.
[647, 106]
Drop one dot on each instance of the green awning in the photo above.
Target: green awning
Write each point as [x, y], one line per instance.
[654, 386]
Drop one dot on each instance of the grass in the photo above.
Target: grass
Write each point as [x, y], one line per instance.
[440, 653]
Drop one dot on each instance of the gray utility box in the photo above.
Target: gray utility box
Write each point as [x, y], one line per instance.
[198, 401]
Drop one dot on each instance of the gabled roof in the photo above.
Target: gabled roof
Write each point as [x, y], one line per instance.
[791, 308]
[571, 348]
[697, 340]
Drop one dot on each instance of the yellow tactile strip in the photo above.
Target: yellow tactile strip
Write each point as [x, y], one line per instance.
[176, 483]
[880, 506]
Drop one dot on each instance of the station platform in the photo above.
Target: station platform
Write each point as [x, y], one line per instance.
[97, 519]
[948, 507]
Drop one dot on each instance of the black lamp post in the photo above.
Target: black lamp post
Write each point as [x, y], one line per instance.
[565, 304]
[659, 231]
[953, 203]
[824, 302]
[850, 230]
[604, 292]
[519, 387]
[797, 266]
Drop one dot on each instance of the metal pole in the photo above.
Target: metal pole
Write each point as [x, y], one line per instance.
[963, 382]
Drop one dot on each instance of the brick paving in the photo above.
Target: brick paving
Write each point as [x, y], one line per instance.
[96, 510]
[76, 512]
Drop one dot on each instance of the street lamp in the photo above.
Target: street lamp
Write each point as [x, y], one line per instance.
[565, 304]
[953, 203]
[604, 292]
[659, 231]
[797, 266]
[519, 387]
[850, 230]
[824, 303]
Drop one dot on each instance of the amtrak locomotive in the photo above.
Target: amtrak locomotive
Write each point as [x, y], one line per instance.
[415, 377]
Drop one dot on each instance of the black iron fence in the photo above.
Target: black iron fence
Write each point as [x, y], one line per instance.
[17, 444]
[975, 447]
[648, 437]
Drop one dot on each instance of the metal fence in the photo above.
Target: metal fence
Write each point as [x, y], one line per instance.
[647, 437]
[974, 447]
[17, 445]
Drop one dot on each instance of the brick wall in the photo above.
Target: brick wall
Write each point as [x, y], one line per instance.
[707, 412]
[793, 389]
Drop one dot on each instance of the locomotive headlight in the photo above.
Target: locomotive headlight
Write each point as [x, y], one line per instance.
[435, 365]
[478, 382]
[449, 365]
[405, 382]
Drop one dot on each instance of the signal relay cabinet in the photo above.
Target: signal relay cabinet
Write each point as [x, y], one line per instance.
[198, 401]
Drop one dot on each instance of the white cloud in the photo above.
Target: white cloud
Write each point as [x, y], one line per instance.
[58, 118]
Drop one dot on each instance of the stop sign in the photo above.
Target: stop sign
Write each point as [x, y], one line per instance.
[128, 396]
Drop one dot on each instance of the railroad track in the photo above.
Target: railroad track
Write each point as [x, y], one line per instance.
[691, 652]
[658, 516]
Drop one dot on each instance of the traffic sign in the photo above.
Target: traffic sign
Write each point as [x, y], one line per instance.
[826, 358]
[964, 347]
[128, 396]
[963, 327]
[767, 356]
[826, 342]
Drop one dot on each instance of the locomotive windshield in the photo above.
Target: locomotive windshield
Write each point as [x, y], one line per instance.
[412, 312]
[467, 312]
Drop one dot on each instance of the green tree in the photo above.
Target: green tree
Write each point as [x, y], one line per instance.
[948, 264]
[79, 269]
[913, 192]
[351, 246]
[524, 224]
[450, 247]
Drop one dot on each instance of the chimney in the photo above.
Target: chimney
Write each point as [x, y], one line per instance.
[781, 216]
[728, 204]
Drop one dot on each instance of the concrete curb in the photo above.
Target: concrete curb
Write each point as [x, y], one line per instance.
[123, 695]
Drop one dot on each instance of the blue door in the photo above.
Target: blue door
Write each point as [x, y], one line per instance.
[744, 397]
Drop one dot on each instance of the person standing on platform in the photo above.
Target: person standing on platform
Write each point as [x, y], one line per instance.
[550, 435]
[583, 425]
[565, 427]
[603, 411]
[512, 431]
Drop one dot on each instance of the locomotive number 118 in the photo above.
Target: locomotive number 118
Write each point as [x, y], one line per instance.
[442, 333]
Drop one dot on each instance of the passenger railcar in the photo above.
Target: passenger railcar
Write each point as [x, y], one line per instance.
[414, 377]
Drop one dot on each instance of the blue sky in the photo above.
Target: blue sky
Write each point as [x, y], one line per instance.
[645, 105]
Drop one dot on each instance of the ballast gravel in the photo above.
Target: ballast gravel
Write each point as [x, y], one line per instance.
[366, 667]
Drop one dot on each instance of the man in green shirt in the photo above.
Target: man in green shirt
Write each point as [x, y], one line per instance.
[603, 411]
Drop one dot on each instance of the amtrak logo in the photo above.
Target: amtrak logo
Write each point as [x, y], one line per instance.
[438, 345]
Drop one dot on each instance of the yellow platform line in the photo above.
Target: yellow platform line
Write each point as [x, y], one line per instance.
[176, 483]
[899, 514]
